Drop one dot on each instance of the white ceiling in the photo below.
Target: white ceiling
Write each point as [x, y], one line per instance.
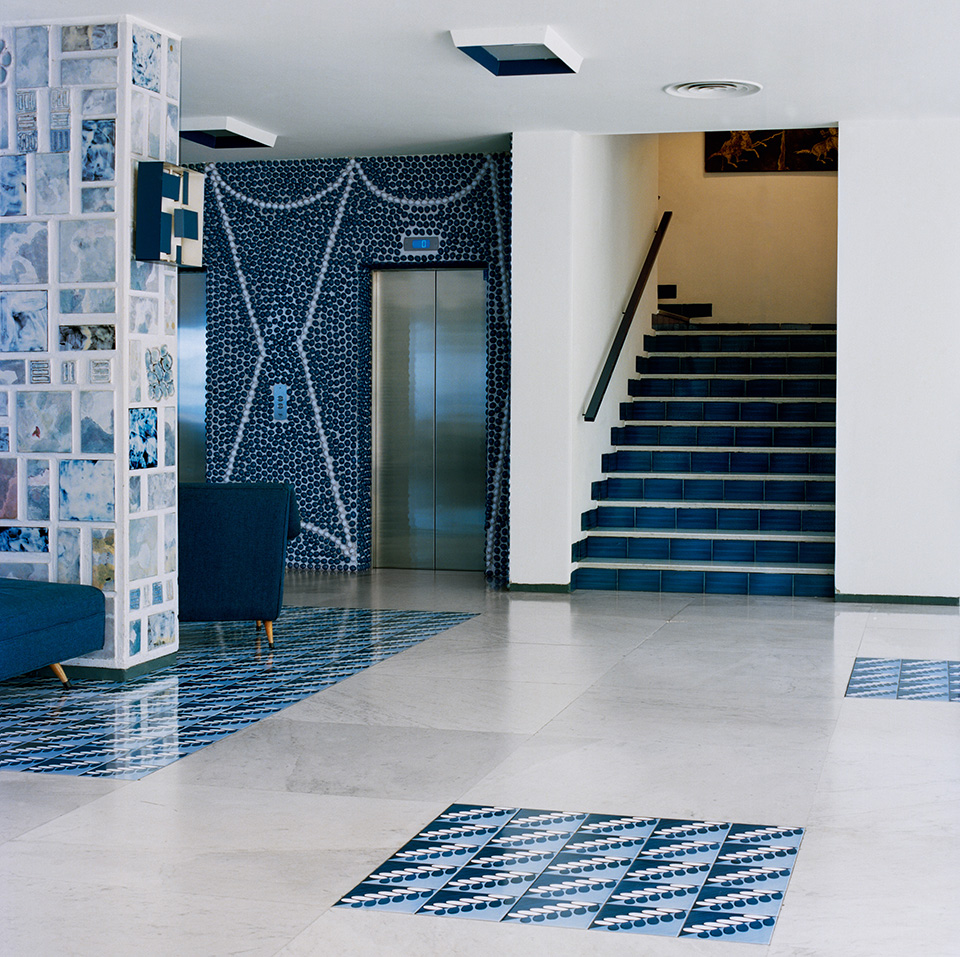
[365, 77]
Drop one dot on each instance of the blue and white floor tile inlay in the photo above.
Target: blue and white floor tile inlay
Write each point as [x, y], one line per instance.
[621, 874]
[226, 677]
[917, 679]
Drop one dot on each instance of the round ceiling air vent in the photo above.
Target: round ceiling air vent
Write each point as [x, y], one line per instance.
[713, 89]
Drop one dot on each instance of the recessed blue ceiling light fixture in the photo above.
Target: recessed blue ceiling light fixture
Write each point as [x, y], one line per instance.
[518, 51]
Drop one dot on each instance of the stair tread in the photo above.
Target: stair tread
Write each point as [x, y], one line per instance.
[739, 376]
[751, 353]
[705, 566]
[737, 476]
[708, 533]
[727, 423]
[783, 399]
[660, 447]
[689, 503]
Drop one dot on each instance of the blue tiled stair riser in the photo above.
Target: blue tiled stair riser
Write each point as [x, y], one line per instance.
[619, 874]
[913, 679]
[224, 679]
[721, 415]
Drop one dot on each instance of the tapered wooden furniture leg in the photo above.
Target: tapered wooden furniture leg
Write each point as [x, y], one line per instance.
[57, 669]
[268, 625]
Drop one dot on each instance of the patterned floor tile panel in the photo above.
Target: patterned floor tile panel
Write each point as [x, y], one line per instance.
[911, 678]
[226, 678]
[619, 874]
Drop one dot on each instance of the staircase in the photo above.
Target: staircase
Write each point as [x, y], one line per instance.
[722, 476]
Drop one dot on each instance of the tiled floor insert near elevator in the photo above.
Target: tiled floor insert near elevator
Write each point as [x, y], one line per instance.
[721, 478]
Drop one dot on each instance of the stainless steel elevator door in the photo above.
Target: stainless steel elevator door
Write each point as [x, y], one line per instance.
[429, 431]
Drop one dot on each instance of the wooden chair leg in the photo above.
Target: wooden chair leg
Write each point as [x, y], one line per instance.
[268, 627]
[57, 669]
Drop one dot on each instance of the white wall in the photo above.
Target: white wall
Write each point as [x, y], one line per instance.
[584, 211]
[898, 403]
[762, 247]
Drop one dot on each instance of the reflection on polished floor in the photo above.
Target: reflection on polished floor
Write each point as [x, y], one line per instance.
[226, 677]
[710, 708]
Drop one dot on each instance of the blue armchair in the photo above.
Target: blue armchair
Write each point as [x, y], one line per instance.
[233, 548]
[44, 623]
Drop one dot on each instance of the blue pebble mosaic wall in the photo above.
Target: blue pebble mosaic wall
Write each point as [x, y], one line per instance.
[289, 247]
[87, 337]
[623, 874]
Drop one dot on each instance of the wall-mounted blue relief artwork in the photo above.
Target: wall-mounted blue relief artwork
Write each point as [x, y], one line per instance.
[143, 548]
[23, 253]
[99, 103]
[44, 422]
[24, 572]
[33, 57]
[173, 69]
[102, 558]
[12, 372]
[154, 128]
[23, 321]
[84, 338]
[88, 250]
[96, 422]
[38, 490]
[101, 69]
[161, 490]
[135, 637]
[99, 150]
[144, 318]
[159, 369]
[8, 488]
[146, 58]
[172, 129]
[138, 123]
[98, 199]
[289, 247]
[161, 629]
[170, 542]
[4, 438]
[170, 436]
[52, 183]
[144, 277]
[157, 593]
[86, 490]
[82, 301]
[13, 185]
[143, 439]
[24, 539]
[68, 555]
[97, 36]
[135, 486]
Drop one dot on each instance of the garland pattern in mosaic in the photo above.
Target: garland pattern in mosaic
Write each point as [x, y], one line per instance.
[613, 873]
[225, 679]
[289, 248]
[916, 679]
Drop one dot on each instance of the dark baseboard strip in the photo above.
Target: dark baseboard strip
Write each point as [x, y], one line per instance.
[121, 674]
[898, 599]
[554, 589]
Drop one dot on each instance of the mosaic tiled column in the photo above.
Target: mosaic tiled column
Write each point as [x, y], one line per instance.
[88, 336]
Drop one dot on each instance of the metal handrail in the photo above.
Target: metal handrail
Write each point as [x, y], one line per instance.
[618, 340]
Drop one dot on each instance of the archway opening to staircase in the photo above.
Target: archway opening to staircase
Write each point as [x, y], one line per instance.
[720, 475]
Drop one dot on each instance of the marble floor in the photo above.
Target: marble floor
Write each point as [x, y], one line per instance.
[697, 708]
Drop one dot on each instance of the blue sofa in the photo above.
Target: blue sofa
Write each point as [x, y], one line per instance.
[233, 550]
[44, 623]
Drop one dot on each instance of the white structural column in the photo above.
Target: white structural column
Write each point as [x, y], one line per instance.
[898, 339]
[88, 336]
[584, 212]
